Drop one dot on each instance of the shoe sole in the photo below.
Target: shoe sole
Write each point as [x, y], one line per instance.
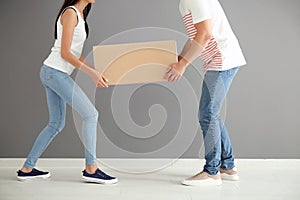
[97, 180]
[228, 177]
[24, 178]
[208, 182]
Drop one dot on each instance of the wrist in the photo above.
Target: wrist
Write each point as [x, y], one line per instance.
[86, 69]
[183, 62]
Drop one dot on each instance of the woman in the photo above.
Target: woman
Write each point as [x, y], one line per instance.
[211, 39]
[71, 31]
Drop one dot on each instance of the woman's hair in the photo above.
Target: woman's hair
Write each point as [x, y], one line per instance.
[72, 3]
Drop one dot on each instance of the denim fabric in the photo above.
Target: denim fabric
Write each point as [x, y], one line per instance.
[218, 149]
[61, 90]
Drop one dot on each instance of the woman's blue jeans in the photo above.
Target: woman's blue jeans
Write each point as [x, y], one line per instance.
[61, 90]
[218, 149]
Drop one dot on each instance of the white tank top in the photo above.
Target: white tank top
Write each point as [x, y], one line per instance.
[55, 60]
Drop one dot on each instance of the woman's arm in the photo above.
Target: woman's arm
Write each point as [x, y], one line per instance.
[84, 60]
[69, 21]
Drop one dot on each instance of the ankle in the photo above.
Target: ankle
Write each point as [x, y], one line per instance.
[91, 169]
[26, 169]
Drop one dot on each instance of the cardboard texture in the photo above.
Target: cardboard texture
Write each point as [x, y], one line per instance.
[135, 62]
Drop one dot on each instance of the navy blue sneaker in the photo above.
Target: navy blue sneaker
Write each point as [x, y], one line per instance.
[31, 175]
[98, 177]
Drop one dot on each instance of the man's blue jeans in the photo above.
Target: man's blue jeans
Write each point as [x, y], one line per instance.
[218, 149]
[62, 90]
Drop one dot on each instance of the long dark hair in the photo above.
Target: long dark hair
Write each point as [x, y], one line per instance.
[86, 12]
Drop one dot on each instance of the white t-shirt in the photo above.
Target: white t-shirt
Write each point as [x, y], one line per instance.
[223, 51]
[55, 60]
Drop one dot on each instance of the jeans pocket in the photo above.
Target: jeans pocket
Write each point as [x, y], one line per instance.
[44, 76]
[47, 76]
[57, 74]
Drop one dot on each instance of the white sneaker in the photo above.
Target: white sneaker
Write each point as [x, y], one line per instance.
[230, 175]
[203, 179]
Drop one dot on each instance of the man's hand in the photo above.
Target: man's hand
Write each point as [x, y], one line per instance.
[175, 71]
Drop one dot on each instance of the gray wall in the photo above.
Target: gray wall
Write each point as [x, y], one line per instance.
[262, 106]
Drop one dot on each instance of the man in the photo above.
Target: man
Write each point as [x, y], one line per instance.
[212, 39]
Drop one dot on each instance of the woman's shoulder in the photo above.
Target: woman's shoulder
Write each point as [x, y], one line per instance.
[70, 15]
[69, 11]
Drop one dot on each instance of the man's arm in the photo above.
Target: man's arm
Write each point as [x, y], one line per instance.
[191, 50]
[204, 34]
[185, 49]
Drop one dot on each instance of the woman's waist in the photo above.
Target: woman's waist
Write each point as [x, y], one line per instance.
[56, 51]
[55, 70]
[54, 58]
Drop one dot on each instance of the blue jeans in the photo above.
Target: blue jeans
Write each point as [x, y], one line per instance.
[61, 90]
[218, 149]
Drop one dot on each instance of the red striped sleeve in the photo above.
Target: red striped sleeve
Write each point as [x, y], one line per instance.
[211, 56]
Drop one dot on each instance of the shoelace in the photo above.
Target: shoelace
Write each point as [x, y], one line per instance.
[35, 170]
[199, 173]
[102, 174]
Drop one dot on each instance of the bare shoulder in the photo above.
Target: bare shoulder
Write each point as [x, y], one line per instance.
[69, 15]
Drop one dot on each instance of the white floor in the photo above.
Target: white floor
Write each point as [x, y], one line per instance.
[260, 179]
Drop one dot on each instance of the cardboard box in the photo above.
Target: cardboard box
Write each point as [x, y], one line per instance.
[135, 62]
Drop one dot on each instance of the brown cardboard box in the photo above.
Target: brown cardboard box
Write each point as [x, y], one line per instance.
[135, 62]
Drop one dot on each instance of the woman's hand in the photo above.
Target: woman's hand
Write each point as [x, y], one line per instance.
[99, 80]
